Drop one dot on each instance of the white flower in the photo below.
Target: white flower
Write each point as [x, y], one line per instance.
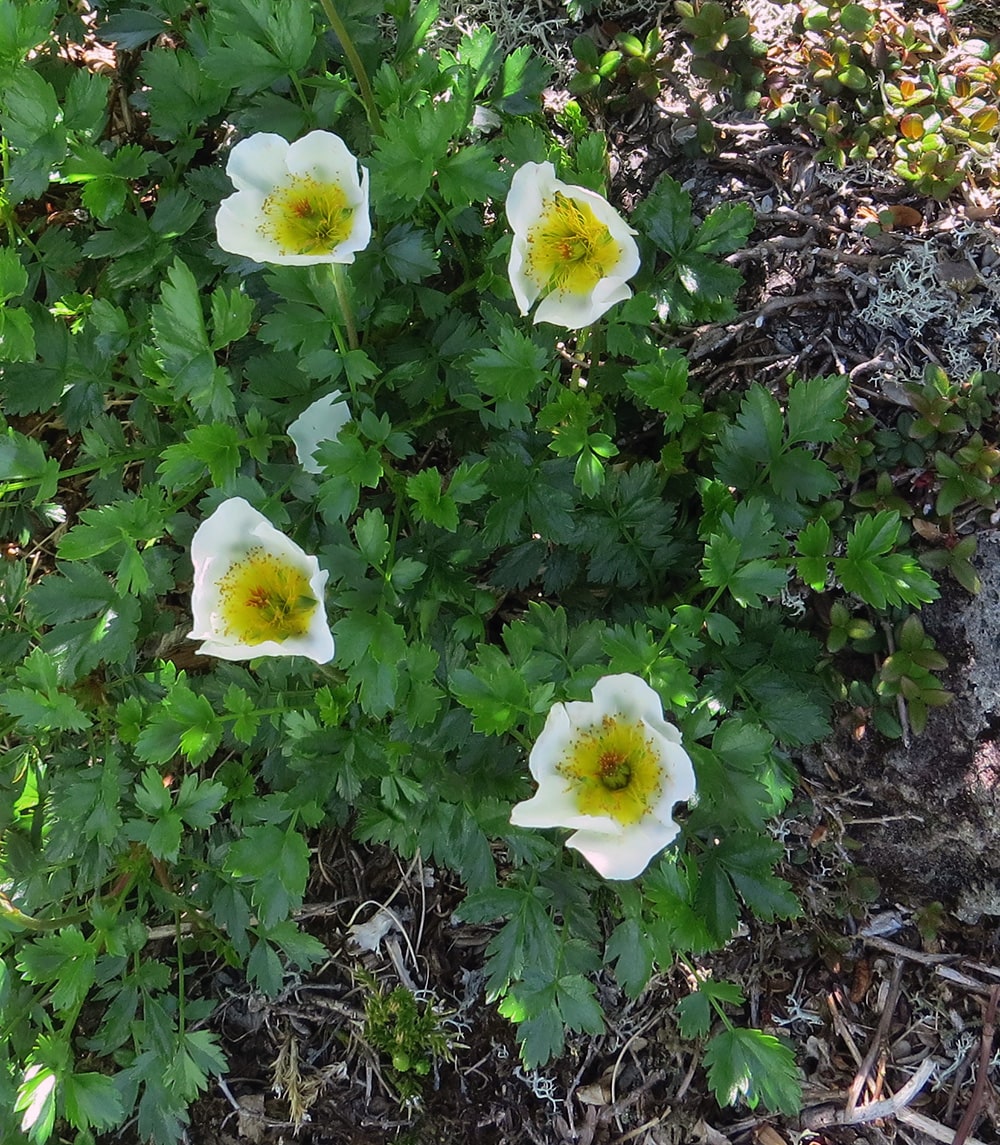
[612, 769]
[320, 422]
[571, 248]
[256, 593]
[295, 203]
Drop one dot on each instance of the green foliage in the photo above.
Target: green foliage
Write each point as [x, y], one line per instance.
[408, 1032]
[513, 512]
[754, 1066]
[694, 285]
[725, 53]
[869, 83]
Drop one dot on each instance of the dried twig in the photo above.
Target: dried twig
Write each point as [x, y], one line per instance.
[963, 980]
[906, 952]
[932, 1128]
[878, 1041]
[874, 1110]
[975, 1105]
[842, 1031]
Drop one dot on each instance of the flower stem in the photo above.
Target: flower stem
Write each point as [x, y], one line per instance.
[364, 85]
[340, 286]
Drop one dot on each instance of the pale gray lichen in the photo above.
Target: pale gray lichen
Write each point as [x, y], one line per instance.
[923, 298]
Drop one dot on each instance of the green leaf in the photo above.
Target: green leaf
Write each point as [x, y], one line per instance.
[409, 253]
[754, 1066]
[32, 126]
[23, 27]
[715, 899]
[17, 336]
[580, 1010]
[135, 519]
[664, 216]
[813, 545]
[523, 78]
[755, 439]
[180, 94]
[631, 951]
[188, 359]
[495, 692]
[232, 313]
[725, 230]
[510, 373]
[661, 384]
[431, 503]
[13, 276]
[276, 864]
[798, 476]
[410, 148]
[542, 1036]
[92, 1100]
[66, 959]
[694, 1015]
[470, 175]
[207, 449]
[131, 28]
[878, 576]
[185, 723]
[23, 461]
[372, 649]
[36, 1100]
[816, 408]
[371, 531]
[749, 859]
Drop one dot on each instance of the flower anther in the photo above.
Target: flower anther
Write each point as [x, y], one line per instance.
[322, 421]
[256, 593]
[295, 203]
[571, 249]
[612, 769]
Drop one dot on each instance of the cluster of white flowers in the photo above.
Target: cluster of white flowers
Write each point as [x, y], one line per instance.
[611, 769]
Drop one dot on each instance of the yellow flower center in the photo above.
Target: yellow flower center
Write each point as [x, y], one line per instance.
[569, 249]
[306, 217]
[263, 597]
[614, 770]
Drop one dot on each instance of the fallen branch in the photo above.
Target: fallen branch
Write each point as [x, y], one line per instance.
[874, 1110]
[906, 952]
[933, 1128]
[879, 1039]
[975, 1106]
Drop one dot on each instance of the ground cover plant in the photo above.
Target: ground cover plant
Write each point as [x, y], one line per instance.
[353, 476]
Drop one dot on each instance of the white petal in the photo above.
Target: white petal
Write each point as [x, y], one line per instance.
[322, 421]
[627, 855]
[237, 227]
[615, 849]
[324, 156]
[258, 163]
[553, 805]
[532, 182]
[531, 186]
[577, 310]
[525, 288]
[682, 784]
[550, 747]
[631, 696]
[227, 536]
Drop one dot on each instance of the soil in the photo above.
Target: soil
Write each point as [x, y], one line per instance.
[894, 849]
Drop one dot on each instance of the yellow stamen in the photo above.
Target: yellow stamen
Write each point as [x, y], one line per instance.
[569, 249]
[263, 597]
[613, 769]
[306, 217]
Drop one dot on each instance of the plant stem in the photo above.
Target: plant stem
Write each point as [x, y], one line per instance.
[340, 286]
[364, 85]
